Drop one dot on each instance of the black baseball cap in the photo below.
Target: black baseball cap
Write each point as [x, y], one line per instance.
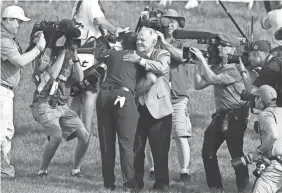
[260, 45]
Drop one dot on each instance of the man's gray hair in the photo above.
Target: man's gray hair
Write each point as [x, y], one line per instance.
[152, 32]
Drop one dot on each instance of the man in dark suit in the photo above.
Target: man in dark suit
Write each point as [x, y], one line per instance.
[117, 112]
[155, 110]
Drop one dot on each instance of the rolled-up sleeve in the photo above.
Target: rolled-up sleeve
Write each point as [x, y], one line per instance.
[160, 65]
[230, 76]
[8, 49]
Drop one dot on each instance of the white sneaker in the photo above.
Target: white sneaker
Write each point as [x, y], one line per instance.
[191, 4]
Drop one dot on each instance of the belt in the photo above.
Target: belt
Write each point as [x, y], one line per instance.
[117, 88]
[6, 86]
[279, 160]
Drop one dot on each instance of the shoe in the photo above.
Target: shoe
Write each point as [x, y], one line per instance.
[110, 187]
[185, 178]
[78, 174]
[42, 174]
[152, 175]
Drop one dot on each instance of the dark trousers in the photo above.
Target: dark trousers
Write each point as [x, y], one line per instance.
[214, 137]
[158, 132]
[111, 120]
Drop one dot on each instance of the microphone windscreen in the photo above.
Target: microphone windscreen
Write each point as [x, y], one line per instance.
[183, 34]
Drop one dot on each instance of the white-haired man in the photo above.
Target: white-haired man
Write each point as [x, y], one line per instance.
[12, 61]
[155, 110]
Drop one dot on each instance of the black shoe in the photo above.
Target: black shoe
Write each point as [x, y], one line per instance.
[110, 187]
[152, 175]
[185, 178]
[43, 174]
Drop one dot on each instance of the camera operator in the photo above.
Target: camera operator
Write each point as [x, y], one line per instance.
[155, 110]
[12, 62]
[91, 15]
[49, 106]
[229, 120]
[270, 124]
[181, 125]
[271, 72]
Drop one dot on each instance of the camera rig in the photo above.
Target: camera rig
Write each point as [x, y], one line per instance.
[213, 40]
[150, 18]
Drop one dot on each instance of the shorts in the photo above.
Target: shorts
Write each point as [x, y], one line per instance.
[59, 121]
[181, 124]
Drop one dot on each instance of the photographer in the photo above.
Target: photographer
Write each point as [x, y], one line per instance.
[270, 124]
[91, 15]
[271, 72]
[229, 120]
[181, 125]
[12, 62]
[49, 106]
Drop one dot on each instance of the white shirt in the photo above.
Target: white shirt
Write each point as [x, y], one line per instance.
[88, 11]
[272, 22]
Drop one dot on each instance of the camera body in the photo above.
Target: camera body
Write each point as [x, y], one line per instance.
[212, 53]
[261, 163]
[248, 97]
[150, 18]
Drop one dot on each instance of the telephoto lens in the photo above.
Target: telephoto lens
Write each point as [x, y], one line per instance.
[242, 161]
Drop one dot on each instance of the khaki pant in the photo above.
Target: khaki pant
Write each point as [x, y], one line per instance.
[271, 179]
[7, 130]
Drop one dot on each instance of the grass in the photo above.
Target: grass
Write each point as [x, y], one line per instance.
[28, 142]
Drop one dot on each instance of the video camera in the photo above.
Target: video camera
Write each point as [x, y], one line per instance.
[213, 41]
[261, 163]
[150, 18]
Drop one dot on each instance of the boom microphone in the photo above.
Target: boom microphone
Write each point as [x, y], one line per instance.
[183, 34]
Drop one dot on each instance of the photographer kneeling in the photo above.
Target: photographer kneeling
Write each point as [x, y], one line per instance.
[49, 106]
[270, 125]
[229, 121]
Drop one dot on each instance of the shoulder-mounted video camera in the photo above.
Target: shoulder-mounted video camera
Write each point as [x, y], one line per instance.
[213, 41]
[150, 18]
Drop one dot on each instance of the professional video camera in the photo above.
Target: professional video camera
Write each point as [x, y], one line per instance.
[213, 41]
[150, 18]
[261, 163]
[58, 35]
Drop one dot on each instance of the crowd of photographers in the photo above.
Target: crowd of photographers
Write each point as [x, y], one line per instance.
[142, 95]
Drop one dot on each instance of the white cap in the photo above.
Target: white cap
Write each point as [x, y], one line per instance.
[14, 12]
